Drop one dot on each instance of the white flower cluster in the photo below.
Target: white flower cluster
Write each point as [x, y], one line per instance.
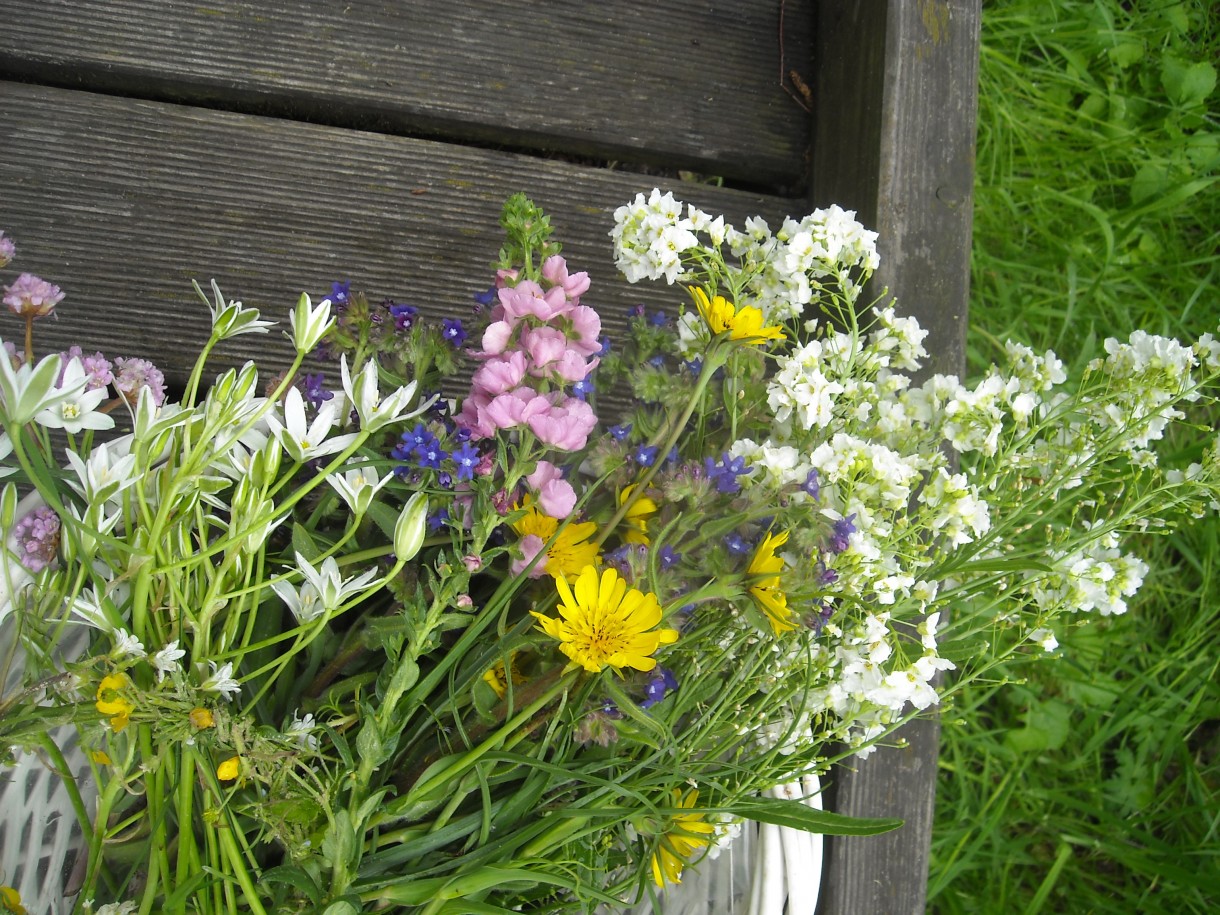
[828, 250]
[1098, 578]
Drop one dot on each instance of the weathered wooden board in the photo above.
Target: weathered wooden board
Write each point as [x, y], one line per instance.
[894, 139]
[691, 84]
[123, 202]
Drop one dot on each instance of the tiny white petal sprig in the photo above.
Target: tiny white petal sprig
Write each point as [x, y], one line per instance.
[323, 591]
[221, 681]
[302, 440]
[358, 487]
[126, 645]
[231, 319]
[104, 475]
[374, 412]
[167, 660]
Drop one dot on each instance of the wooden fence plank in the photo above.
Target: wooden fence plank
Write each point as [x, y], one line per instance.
[123, 203]
[903, 156]
[691, 84]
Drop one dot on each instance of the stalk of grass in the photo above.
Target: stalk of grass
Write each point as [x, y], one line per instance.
[1092, 783]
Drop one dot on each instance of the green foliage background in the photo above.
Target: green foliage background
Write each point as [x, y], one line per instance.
[1092, 783]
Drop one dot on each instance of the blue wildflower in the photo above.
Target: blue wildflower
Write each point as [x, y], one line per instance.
[404, 315]
[341, 292]
[660, 684]
[811, 486]
[620, 432]
[467, 459]
[724, 475]
[313, 391]
[583, 388]
[645, 455]
[453, 332]
[487, 297]
[841, 532]
[667, 557]
[736, 544]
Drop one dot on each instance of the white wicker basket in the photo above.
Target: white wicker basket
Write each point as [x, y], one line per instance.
[39, 831]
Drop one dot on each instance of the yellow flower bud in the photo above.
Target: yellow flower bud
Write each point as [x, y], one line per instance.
[228, 770]
[202, 718]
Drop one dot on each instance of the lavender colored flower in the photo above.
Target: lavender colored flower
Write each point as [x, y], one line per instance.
[31, 297]
[453, 332]
[841, 532]
[134, 374]
[315, 393]
[37, 538]
[660, 684]
[636, 310]
[7, 250]
[724, 474]
[811, 486]
[97, 368]
[645, 455]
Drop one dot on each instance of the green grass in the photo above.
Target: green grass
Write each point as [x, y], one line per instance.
[1092, 783]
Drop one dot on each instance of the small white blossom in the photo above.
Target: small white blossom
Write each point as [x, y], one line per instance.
[166, 661]
[127, 645]
[221, 681]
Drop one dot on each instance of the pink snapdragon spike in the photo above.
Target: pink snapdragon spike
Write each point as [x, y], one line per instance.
[31, 297]
[539, 332]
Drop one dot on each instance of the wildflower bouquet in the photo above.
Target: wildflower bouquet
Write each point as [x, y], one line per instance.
[366, 649]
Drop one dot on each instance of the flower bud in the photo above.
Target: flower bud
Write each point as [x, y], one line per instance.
[411, 527]
[309, 324]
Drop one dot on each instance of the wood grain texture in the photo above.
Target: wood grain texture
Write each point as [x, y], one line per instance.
[691, 84]
[122, 203]
[899, 148]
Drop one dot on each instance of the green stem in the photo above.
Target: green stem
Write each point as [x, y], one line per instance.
[714, 360]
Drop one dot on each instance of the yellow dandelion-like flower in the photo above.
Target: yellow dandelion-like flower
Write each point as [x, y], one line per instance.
[637, 516]
[109, 702]
[606, 623]
[202, 718]
[10, 901]
[766, 587]
[571, 550]
[688, 833]
[744, 323]
[228, 770]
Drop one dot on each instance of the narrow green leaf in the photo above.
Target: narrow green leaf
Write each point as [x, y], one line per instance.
[796, 815]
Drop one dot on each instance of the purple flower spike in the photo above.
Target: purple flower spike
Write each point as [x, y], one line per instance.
[811, 486]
